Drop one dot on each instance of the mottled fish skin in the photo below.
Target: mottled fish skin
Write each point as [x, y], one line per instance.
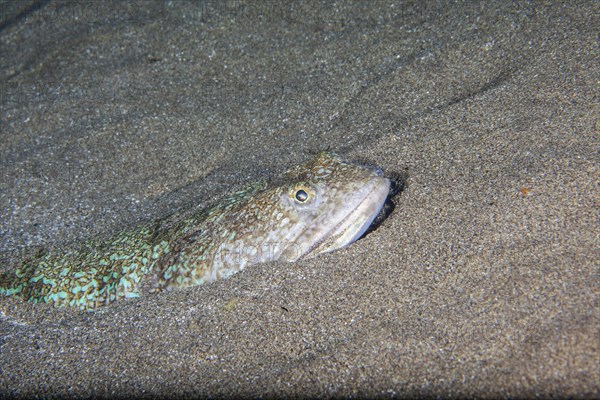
[317, 207]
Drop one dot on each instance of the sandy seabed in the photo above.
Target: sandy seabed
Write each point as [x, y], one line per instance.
[482, 281]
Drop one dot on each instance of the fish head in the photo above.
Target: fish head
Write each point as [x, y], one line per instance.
[326, 205]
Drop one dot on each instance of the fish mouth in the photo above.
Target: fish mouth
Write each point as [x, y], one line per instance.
[353, 224]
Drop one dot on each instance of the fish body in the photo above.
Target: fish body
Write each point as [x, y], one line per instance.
[318, 207]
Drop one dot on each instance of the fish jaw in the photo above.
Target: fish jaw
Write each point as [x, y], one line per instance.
[358, 219]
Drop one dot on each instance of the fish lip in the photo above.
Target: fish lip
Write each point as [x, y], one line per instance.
[332, 233]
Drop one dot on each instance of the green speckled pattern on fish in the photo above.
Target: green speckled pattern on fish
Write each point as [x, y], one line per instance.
[317, 207]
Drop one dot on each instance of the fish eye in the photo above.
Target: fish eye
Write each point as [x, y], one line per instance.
[301, 195]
